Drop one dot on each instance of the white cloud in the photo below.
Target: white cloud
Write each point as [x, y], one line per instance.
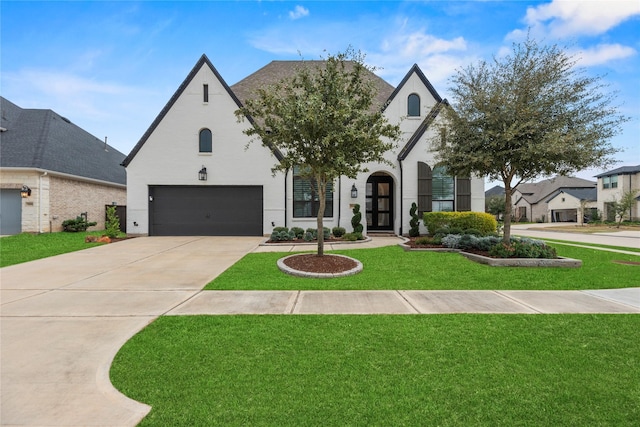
[298, 12]
[603, 53]
[561, 19]
[437, 57]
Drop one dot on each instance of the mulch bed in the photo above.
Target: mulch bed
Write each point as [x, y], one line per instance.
[313, 263]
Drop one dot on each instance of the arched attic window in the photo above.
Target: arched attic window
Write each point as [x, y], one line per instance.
[206, 143]
[413, 105]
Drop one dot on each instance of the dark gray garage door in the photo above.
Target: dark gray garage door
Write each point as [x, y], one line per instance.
[205, 211]
[10, 212]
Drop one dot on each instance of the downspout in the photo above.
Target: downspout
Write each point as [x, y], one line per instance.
[401, 195]
[40, 201]
[339, 199]
[286, 175]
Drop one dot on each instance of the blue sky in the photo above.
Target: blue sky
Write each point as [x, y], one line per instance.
[110, 67]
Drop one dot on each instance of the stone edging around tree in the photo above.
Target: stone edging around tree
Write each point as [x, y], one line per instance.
[286, 269]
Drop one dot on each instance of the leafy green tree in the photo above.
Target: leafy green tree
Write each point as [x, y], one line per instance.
[322, 119]
[622, 207]
[496, 206]
[528, 114]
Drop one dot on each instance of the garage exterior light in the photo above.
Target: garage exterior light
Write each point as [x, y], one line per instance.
[354, 192]
[202, 174]
[25, 192]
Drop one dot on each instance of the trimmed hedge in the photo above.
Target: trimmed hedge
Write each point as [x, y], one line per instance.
[483, 222]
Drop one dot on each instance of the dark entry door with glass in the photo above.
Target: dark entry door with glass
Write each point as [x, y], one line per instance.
[379, 207]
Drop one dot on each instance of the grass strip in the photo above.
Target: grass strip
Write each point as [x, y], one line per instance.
[447, 370]
[392, 268]
[25, 247]
[595, 245]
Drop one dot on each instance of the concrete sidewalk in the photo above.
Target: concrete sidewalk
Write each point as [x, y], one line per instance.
[63, 319]
[411, 302]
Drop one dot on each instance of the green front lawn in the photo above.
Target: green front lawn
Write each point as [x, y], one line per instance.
[447, 370]
[28, 247]
[393, 268]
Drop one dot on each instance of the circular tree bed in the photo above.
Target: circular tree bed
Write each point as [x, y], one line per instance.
[326, 266]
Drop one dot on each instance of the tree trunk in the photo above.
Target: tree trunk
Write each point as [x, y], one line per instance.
[322, 191]
[507, 213]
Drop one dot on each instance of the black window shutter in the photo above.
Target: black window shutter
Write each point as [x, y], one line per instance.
[425, 192]
[463, 196]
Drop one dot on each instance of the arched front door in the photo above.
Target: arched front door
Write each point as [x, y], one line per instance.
[379, 208]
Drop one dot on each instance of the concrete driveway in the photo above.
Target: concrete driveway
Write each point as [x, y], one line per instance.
[64, 318]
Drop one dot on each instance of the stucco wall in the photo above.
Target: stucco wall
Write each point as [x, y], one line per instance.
[170, 156]
[607, 195]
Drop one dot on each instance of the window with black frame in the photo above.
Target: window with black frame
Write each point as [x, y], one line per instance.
[443, 190]
[306, 202]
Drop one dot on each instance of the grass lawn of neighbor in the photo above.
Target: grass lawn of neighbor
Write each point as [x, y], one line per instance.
[446, 370]
[25, 247]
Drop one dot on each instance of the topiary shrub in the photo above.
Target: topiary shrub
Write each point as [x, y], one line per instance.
[414, 231]
[78, 224]
[338, 231]
[356, 219]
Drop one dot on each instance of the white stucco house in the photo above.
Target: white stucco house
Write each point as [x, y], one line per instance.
[193, 172]
[612, 185]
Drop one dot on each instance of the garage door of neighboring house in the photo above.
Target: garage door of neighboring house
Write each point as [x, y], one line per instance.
[205, 211]
[10, 212]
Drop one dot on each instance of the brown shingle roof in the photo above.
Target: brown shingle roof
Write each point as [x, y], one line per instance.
[278, 70]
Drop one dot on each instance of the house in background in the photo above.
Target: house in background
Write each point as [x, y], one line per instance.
[531, 200]
[612, 185]
[194, 172]
[572, 205]
[63, 170]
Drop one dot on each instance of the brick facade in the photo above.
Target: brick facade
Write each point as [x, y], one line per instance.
[57, 198]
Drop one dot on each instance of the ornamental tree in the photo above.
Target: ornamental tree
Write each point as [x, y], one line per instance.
[323, 120]
[528, 114]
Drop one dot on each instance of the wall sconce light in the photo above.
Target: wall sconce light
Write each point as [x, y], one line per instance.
[202, 174]
[25, 192]
[151, 198]
[354, 192]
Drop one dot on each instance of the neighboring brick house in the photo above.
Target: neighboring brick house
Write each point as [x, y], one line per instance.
[531, 200]
[612, 185]
[192, 173]
[64, 170]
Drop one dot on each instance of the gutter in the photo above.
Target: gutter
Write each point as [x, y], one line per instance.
[401, 195]
[67, 175]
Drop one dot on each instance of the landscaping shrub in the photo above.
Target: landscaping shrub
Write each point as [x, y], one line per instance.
[483, 222]
[78, 224]
[326, 232]
[426, 241]
[356, 219]
[313, 231]
[281, 236]
[279, 229]
[451, 241]
[473, 232]
[112, 225]
[523, 248]
[350, 237]
[308, 236]
[338, 231]
[414, 231]
[299, 232]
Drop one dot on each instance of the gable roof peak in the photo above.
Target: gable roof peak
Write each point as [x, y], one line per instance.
[415, 69]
